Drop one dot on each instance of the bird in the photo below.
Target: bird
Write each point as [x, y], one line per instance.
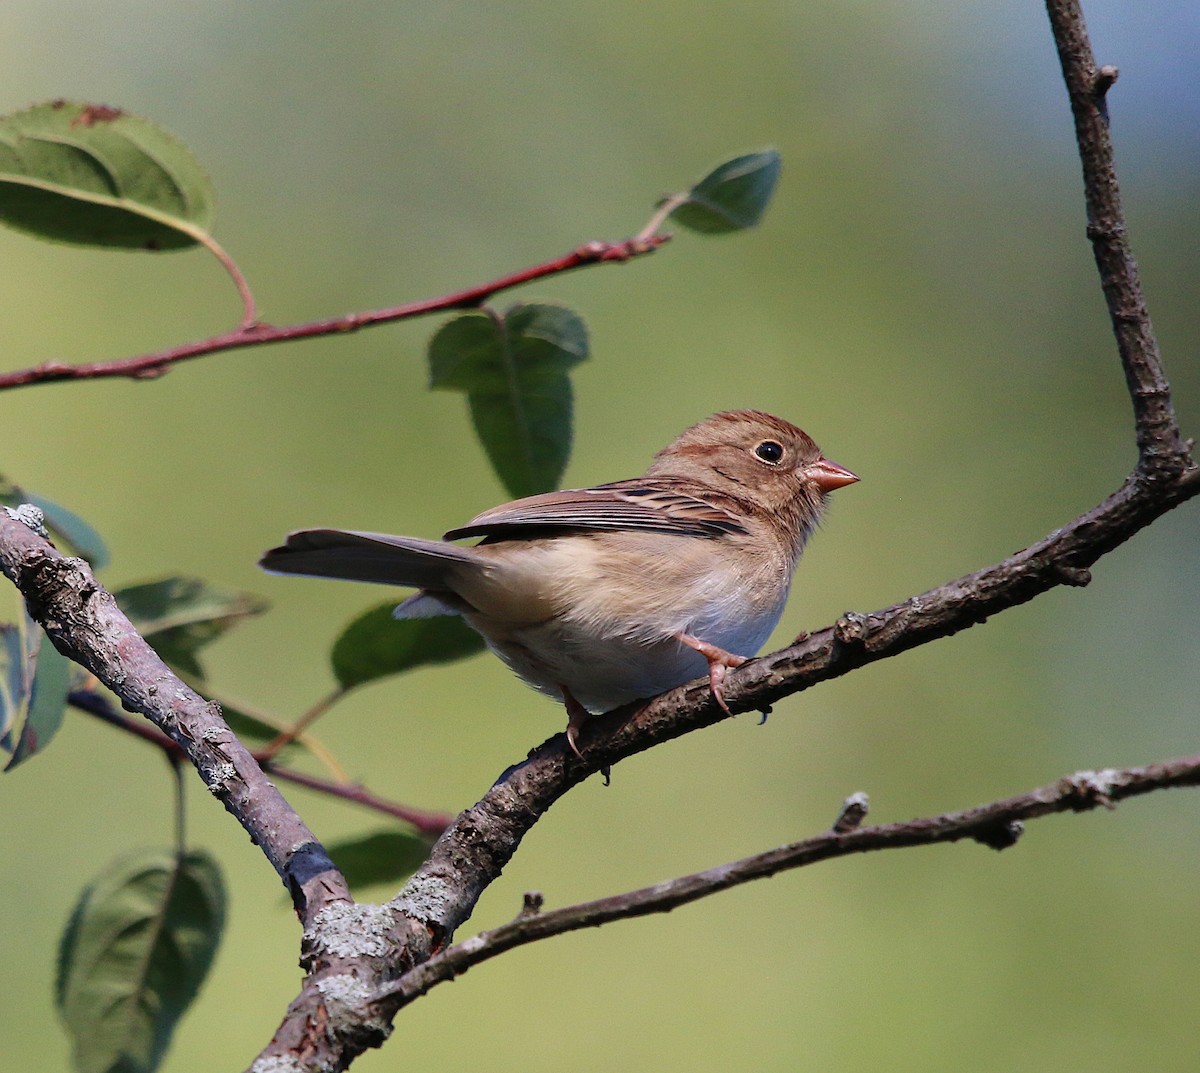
[605, 595]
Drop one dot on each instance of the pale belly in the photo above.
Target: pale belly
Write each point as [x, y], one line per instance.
[607, 633]
[604, 674]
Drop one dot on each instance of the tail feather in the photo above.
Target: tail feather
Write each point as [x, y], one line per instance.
[374, 557]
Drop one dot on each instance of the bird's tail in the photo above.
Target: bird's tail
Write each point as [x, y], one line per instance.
[376, 557]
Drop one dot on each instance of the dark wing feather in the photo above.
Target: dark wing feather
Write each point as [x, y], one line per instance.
[375, 557]
[644, 503]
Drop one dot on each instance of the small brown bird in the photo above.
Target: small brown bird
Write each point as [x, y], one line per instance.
[600, 596]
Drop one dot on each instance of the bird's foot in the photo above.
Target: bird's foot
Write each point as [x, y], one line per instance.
[577, 715]
[718, 662]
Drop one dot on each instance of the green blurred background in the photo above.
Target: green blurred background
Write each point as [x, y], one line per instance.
[920, 298]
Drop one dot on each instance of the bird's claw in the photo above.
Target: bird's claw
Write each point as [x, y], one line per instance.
[718, 662]
[577, 715]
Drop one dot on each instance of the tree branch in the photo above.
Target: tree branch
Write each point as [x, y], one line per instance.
[86, 625]
[997, 824]
[1159, 442]
[430, 824]
[153, 365]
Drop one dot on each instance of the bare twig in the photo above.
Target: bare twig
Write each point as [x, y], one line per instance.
[149, 366]
[430, 824]
[1080, 792]
[1159, 442]
[290, 734]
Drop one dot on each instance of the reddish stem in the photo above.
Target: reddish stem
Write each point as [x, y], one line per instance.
[150, 366]
[430, 824]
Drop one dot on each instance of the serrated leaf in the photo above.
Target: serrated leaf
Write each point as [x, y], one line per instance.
[96, 176]
[36, 680]
[180, 615]
[65, 525]
[380, 857]
[731, 197]
[133, 956]
[513, 369]
[376, 644]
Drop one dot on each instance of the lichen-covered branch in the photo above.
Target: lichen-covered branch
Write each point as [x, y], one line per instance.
[84, 622]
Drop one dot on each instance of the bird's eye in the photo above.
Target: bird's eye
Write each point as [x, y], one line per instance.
[769, 451]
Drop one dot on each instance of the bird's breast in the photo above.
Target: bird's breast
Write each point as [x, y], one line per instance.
[598, 613]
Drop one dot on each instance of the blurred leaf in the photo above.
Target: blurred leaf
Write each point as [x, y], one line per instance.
[36, 678]
[12, 682]
[376, 644]
[46, 702]
[133, 956]
[96, 176]
[513, 369]
[382, 857]
[65, 525]
[731, 197]
[180, 615]
[248, 728]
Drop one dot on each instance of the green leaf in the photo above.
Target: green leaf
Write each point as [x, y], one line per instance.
[12, 683]
[180, 615]
[133, 956]
[381, 857]
[513, 369]
[66, 526]
[731, 197]
[96, 176]
[46, 702]
[36, 679]
[376, 644]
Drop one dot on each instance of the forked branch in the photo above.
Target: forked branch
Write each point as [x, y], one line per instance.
[363, 953]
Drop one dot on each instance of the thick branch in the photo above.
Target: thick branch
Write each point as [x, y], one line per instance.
[149, 366]
[86, 625]
[997, 824]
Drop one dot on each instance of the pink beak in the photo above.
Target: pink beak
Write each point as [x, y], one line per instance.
[828, 475]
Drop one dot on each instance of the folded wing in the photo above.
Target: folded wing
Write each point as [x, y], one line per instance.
[635, 504]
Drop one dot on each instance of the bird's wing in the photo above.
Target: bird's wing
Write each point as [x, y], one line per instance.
[645, 503]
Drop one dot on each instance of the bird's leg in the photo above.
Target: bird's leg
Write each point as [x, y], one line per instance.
[718, 661]
[577, 715]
